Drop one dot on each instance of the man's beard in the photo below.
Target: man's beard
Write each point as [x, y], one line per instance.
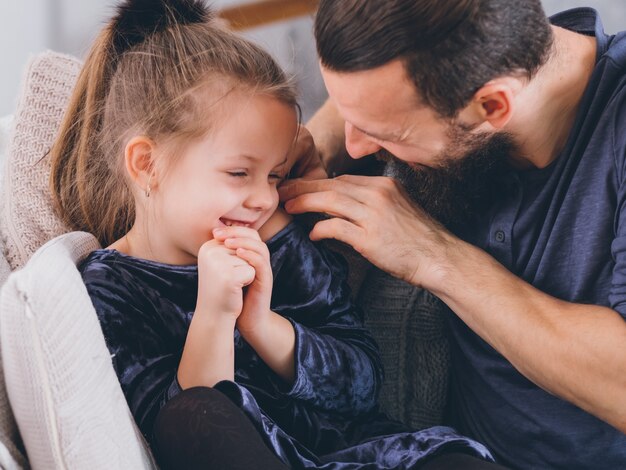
[460, 187]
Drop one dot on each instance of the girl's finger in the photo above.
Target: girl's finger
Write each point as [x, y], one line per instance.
[249, 244]
[245, 274]
[222, 233]
[258, 262]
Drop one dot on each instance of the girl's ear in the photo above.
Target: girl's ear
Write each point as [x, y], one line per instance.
[140, 165]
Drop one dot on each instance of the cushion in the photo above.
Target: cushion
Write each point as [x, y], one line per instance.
[65, 395]
[5, 270]
[5, 129]
[27, 218]
[12, 453]
[409, 326]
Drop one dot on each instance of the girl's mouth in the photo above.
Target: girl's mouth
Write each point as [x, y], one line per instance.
[235, 223]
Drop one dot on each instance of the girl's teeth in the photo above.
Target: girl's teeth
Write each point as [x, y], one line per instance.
[230, 223]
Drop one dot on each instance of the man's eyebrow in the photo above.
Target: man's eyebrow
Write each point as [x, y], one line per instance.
[377, 136]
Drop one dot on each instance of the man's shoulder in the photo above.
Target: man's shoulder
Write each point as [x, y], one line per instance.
[616, 51]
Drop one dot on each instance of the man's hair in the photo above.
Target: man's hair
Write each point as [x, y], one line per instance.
[450, 48]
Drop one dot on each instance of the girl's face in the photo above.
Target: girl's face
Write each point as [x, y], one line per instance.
[227, 178]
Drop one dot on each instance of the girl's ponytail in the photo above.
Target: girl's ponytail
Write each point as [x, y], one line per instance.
[76, 145]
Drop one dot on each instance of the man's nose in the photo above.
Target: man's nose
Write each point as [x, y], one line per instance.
[359, 144]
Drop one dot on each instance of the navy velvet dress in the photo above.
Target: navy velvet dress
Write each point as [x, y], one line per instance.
[328, 418]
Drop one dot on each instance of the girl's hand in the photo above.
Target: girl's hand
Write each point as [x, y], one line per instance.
[247, 245]
[221, 278]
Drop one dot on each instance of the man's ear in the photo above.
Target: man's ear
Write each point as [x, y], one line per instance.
[139, 161]
[494, 102]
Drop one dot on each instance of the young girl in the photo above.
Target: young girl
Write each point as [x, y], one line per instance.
[176, 137]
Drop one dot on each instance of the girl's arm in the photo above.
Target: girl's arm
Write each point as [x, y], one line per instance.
[318, 344]
[338, 367]
[209, 353]
[274, 340]
[269, 334]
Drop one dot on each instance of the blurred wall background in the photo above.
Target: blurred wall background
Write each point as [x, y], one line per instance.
[30, 26]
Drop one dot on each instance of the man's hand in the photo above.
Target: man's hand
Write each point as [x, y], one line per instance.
[376, 217]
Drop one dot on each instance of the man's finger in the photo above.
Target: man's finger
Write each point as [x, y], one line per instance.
[339, 229]
[359, 180]
[357, 188]
[292, 188]
[328, 202]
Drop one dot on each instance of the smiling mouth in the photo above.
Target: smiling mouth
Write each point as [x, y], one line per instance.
[235, 223]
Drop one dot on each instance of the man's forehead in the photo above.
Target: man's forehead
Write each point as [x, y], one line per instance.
[380, 102]
[382, 88]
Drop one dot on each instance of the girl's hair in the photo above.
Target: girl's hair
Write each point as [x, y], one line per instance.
[156, 70]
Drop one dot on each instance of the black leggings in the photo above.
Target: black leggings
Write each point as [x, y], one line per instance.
[201, 428]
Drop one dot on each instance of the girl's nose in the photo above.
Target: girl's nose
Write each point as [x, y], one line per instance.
[263, 197]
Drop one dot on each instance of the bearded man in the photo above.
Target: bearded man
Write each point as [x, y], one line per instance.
[507, 131]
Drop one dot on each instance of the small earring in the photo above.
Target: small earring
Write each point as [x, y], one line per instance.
[147, 191]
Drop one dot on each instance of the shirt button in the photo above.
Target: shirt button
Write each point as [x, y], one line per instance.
[500, 237]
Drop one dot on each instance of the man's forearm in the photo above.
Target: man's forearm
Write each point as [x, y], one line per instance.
[571, 350]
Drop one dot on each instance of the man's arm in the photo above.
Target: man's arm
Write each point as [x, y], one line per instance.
[573, 351]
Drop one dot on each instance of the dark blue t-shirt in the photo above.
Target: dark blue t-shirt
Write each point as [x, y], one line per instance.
[563, 230]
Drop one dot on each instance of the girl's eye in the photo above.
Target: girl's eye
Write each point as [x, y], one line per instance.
[238, 174]
[275, 177]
